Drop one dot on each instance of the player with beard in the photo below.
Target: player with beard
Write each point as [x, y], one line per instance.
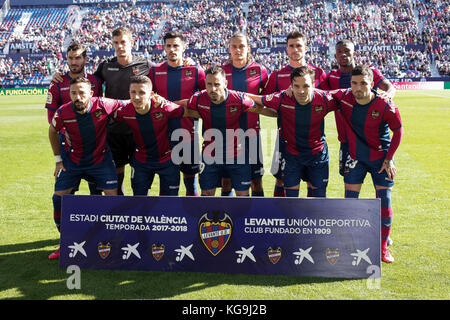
[116, 73]
[340, 79]
[367, 119]
[84, 120]
[279, 80]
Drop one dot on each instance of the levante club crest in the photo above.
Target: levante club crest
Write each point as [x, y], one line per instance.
[274, 255]
[104, 249]
[158, 251]
[215, 233]
[332, 255]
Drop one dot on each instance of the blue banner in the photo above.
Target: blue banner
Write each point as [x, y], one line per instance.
[338, 238]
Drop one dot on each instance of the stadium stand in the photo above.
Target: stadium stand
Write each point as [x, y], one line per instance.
[402, 38]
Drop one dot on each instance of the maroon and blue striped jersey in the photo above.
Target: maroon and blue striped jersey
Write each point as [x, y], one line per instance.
[251, 79]
[177, 84]
[302, 126]
[338, 80]
[367, 126]
[87, 132]
[150, 130]
[223, 116]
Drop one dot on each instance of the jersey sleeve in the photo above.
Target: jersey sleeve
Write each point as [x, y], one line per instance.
[118, 114]
[53, 101]
[201, 79]
[322, 79]
[377, 77]
[57, 121]
[271, 84]
[193, 102]
[173, 110]
[392, 116]
[111, 105]
[247, 102]
[264, 79]
[324, 82]
[338, 94]
[330, 103]
[98, 86]
[273, 101]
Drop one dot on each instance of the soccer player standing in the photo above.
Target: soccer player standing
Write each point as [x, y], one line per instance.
[301, 121]
[116, 73]
[279, 80]
[149, 124]
[175, 81]
[84, 120]
[368, 118]
[246, 75]
[58, 92]
[340, 79]
[221, 110]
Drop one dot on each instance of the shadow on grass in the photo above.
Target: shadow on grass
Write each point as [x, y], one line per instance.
[27, 273]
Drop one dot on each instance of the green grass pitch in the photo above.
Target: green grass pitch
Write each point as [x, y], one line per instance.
[420, 230]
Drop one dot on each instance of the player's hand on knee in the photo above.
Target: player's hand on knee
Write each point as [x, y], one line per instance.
[389, 166]
[58, 168]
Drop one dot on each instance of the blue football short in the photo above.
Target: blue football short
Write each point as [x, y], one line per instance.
[142, 176]
[211, 175]
[359, 169]
[315, 172]
[103, 174]
[192, 164]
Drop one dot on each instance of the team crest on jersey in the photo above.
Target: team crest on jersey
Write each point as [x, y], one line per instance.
[252, 72]
[135, 70]
[188, 73]
[215, 233]
[104, 249]
[318, 109]
[158, 115]
[332, 255]
[233, 109]
[158, 251]
[375, 114]
[98, 113]
[274, 255]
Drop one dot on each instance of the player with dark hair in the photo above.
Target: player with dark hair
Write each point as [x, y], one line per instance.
[84, 120]
[58, 92]
[246, 75]
[301, 121]
[115, 73]
[296, 49]
[149, 123]
[340, 79]
[221, 110]
[368, 118]
[175, 81]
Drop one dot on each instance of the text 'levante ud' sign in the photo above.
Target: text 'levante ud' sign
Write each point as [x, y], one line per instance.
[304, 237]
